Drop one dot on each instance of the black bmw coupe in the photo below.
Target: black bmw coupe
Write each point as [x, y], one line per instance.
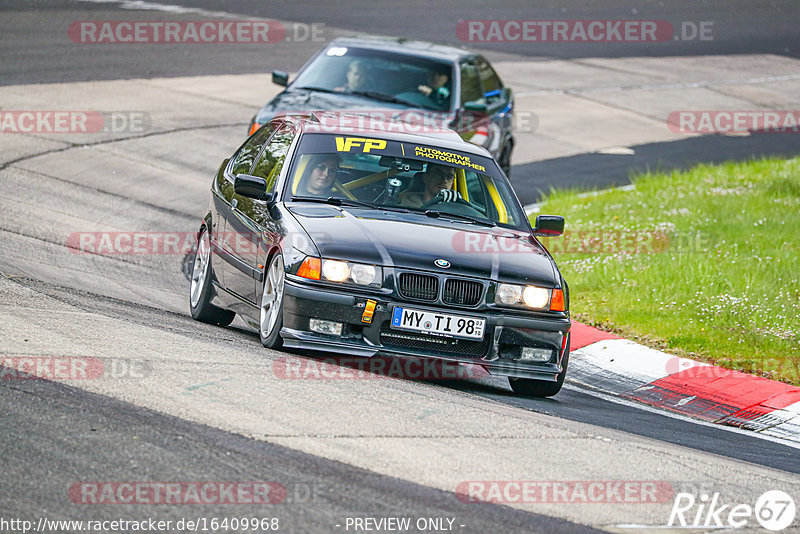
[373, 241]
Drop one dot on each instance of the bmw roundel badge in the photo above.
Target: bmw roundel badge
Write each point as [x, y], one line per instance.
[444, 264]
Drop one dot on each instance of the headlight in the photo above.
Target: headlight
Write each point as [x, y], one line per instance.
[353, 273]
[535, 297]
[529, 296]
[335, 271]
[508, 294]
[362, 275]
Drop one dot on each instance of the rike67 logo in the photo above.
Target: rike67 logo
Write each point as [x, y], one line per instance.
[774, 510]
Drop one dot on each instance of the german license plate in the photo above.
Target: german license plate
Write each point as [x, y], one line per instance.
[442, 324]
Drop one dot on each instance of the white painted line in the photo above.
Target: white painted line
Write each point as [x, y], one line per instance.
[530, 209]
[661, 86]
[141, 5]
[617, 151]
[693, 528]
[536, 206]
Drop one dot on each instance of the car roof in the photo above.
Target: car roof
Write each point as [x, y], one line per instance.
[444, 138]
[407, 46]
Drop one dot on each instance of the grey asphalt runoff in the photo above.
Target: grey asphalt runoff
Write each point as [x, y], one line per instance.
[583, 406]
[55, 436]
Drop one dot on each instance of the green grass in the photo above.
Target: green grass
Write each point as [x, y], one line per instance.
[703, 263]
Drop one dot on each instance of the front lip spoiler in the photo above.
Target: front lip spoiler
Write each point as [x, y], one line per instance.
[298, 339]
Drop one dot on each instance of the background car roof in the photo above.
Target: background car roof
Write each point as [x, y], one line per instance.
[444, 139]
[407, 46]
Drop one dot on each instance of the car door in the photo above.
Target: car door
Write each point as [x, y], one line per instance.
[483, 101]
[250, 225]
[498, 105]
[471, 111]
[227, 249]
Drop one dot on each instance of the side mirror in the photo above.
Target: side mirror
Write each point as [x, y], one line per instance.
[280, 78]
[476, 106]
[549, 225]
[251, 187]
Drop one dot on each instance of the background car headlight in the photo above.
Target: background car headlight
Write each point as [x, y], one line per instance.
[529, 296]
[362, 275]
[335, 271]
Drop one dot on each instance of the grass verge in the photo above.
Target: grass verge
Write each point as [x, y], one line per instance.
[703, 263]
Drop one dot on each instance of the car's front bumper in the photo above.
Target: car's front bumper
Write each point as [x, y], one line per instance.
[505, 332]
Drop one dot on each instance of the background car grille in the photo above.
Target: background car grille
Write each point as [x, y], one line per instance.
[413, 341]
[462, 292]
[419, 286]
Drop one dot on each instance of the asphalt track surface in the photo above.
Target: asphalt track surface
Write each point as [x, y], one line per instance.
[53, 434]
[46, 55]
[51, 431]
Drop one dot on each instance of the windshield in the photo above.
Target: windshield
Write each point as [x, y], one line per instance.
[382, 174]
[381, 76]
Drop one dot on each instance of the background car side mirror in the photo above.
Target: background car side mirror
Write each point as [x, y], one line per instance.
[549, 225]
[476, 106]
[251, 187]
[280, 78]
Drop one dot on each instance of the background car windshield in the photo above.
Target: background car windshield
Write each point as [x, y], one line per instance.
[396, 75]
[408, 175]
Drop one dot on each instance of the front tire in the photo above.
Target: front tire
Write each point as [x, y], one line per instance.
[529, 387]
[271, 316]
[200, 287]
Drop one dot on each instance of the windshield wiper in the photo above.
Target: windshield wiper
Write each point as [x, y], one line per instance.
[435, 214]
[336, 201]
[318, 89]
[386, 97]
[340, 201]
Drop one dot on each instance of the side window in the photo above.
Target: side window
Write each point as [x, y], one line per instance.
[270, 163]
[470, 83]
[489, 81]
[244, 159]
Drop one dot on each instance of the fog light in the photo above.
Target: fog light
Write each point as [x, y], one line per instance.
[325, 327]
[532, 354]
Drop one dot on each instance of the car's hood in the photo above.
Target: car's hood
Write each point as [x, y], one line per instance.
[302, 100]
[415, 241]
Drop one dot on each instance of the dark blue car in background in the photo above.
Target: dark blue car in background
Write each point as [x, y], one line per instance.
[458, 88]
